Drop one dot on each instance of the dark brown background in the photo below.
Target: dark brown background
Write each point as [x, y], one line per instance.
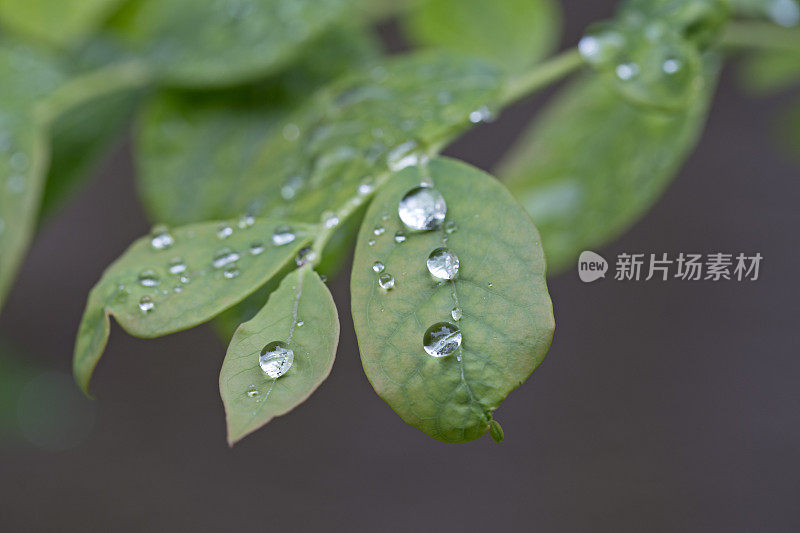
[662, 406]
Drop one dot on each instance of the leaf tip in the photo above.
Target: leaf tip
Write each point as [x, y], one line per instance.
[496, 431]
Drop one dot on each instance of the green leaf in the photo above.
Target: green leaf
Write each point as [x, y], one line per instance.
[203, 43]
[150, 295]
[202, 142]
[59, 22]
[507, 318]
[512, 33]
[301, 314]
[315, 159]
[767, 72]
[25, 78]
[593, 163]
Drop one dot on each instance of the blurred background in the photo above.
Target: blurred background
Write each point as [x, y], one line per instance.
[662, 406]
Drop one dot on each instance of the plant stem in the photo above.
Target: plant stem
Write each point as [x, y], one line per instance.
[94, 84]
[541, 75]
[761, 35]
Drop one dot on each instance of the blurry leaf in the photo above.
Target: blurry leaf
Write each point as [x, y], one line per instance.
[507, 318]
[15, 371]
[203, 43]
[301, 314]
[60, 22]
[766, 72]
[513, 33]
[79, 138]
[347, 135]
[156, 288]
[593, 163]
[25, 77]
[203, 141]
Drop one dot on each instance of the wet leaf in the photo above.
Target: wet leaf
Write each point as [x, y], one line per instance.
[25, 78]
[506, 318]
[593, 163]
[153, 292]
[202, 142]
[202, 43]
[60, 22]
[316, 158]
[301, 314]
[512, 33]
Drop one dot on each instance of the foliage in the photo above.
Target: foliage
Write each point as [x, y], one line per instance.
[271, 135]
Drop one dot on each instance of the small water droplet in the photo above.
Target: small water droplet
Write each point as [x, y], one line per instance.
[231, 272]
[443, 263]
[441, 339]
[275, 359]
[224, 257]
[256, 248]
[378, 267]
[177, 265]
[491, 284]
[671, 66]
[148, 278]
[283, 235]
[404, 155]
[185, 279]
[330, 219]
[161, 238]
[627, 71]
[422, 208]
[399, 237]
[386, 281]
[252, 392]
[379, 230]
[224, 231]
[146, 304]
[371, 242]
[304, 256]
[450, 227]
[246, 221]
[365, 188]
[482, 114]
[300, 323]
[290, 188]
[456, 313]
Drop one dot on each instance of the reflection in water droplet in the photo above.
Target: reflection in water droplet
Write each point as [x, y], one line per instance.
[275, 359]
[176, 265]
[456, 313]
[443, 263]
[148, 278]
[256, 248]
[146, 304]
[441, 339]
[283, 235]
[399, 237]
[224, 257]
[422, 208]
[304, 256]
[378, 267]
[224, 231]
[161, 239]
[386, 281]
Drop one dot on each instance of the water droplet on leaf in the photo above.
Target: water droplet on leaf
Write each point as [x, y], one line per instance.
[422, 208]
[386, 281]
[399, 237]
[275, 359]
[224, 231]
[177, 265]
[224, 257]
[148, 278]
[441, 339]
[456, 313]
[146, 304]
[443, 263]
[283, 235]
[378, 267]
[161, 239]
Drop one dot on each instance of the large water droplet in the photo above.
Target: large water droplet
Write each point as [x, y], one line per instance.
[161, 239]
[386, 281]
[148, 278]
[441, 339]
[283, 235]
[422, 208]
[275, 359]
[224, 257]
[146, 304]
[443, 263]
[177, 265]
[378, 267]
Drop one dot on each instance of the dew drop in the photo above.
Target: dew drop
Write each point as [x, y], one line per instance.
[146, 304]
[231, 272]
[450, 227]
[404, 155]
[386, 281]
[441, 339]
[482, 114]
[378, 267]
[246, 221]
[329, 219]
[177, 265]
[161, 238]
[371, 242]
[379, 230]
[365, 188]
[422, 208]
[399, 237]
[148, 278]
[283, 235]
[627, 71]
[224, 231]
[443, 263]
[252, 392]
[456, 313]
[224, 257]
[300, 323]
[275, 359]
[671, 66]
[256, 248]
[304, 256]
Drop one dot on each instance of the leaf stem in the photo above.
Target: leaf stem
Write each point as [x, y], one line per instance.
[761, 35]
[541, 75]
[95, 84]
